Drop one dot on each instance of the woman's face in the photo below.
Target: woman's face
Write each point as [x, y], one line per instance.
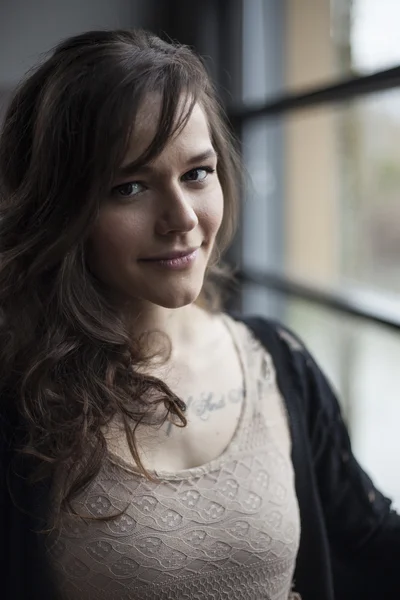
[157, 227]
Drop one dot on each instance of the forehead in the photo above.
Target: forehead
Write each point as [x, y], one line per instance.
[195, 133]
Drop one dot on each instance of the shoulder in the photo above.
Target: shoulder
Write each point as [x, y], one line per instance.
[300, 378]
[273, 334]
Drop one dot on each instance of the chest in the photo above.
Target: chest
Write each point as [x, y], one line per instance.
[213, 389]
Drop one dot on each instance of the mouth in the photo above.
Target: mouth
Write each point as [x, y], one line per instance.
[174, 254]
[175, 260]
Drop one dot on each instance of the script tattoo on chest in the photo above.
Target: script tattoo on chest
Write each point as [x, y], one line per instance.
[206, 403]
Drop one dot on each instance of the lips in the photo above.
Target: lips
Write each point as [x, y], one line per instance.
[171, 255]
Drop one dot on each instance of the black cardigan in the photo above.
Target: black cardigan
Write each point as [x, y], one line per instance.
[350, 538]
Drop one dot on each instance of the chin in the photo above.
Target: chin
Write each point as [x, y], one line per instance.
[177, 301]
[177, 298]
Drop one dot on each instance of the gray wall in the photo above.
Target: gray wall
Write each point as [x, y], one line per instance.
[30, 28]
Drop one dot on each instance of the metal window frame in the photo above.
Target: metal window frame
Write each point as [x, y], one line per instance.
[341, 91]
[262, 230]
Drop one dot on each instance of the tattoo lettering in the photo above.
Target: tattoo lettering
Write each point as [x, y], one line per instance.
[208, 402]
[205, 405]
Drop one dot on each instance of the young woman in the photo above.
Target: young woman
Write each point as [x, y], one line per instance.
[153, 447]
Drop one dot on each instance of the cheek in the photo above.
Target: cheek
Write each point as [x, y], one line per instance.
[212, 212]
[113, 238]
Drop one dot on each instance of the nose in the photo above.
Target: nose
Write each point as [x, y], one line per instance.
[177, 214]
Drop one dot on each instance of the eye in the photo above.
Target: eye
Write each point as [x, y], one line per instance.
[129, 189]
[198, 175]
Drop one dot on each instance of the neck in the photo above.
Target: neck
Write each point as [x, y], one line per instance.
[182, 327]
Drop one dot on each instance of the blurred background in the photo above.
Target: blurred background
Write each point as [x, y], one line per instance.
[312, 90]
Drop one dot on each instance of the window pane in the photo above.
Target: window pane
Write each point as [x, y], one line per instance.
[315, 53]
[328, 40]
[375, 40]
[342, 174]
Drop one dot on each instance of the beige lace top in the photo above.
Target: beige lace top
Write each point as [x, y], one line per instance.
[226, 530]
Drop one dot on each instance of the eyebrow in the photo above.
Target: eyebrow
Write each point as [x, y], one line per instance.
[132, 167]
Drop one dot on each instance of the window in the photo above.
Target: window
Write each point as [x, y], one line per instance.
[322, 205]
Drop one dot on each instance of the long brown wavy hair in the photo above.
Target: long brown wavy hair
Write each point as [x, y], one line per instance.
[67, 358]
